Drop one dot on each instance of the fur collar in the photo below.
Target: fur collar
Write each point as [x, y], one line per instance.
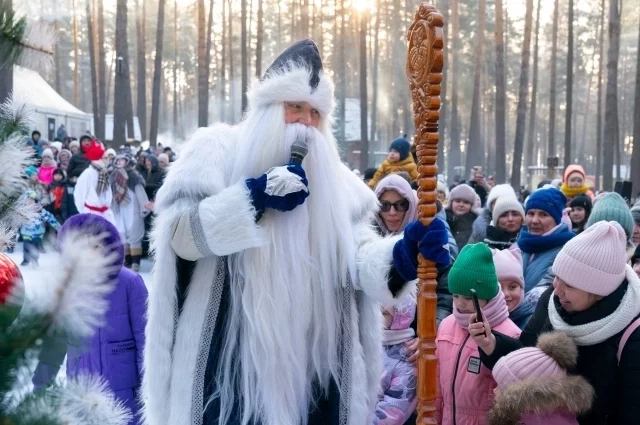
[541, 397]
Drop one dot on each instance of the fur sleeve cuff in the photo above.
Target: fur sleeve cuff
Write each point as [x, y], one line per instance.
[221, 224]
[374, 262]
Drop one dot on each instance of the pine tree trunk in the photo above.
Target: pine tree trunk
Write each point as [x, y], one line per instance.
[157, 76]
[223, 63]
[56, 52]
[500, 106]
[364, 156]
[374, 72]
[342, 85]
[551, 150]
[599, 129]
[97, 122]
[102, 71]
[121, 76]
[475, 147]
[522, 99]
[232, 84]
[141, 86]
[259, 39]
[455, 156]
[529, 157]
[207, 55]
[76, 56]
[203, 83]
[611, 99]
[244, 55]
[304, 19]
[568, 157]
[635, 154]
[587, 109]
[6, 73]
[175, 68]
[442, 125]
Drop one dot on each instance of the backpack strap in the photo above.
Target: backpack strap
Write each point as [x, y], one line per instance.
[625, 336]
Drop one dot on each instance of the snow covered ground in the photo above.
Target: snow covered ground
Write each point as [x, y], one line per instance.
[33, 275]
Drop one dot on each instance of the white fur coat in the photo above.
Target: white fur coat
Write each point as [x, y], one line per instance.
[198, 183]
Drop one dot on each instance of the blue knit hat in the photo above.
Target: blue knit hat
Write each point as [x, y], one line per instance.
[549, 200]
[402, 145]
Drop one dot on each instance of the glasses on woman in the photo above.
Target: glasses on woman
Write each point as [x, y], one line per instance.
[403, 205]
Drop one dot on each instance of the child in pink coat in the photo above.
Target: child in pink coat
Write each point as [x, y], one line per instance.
[465, 385]
[534, 388]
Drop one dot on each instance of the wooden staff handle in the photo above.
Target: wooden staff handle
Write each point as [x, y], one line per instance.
[424, 70]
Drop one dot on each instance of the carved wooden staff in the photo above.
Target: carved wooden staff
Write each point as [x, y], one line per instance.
[424, 70]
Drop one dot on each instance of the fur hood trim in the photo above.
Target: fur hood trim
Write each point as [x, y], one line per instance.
[560, 347]
[541, 397]
[292, 85]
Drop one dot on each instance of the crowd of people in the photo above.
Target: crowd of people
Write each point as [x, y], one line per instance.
[556, 272]
[281, 292]
[72, 176]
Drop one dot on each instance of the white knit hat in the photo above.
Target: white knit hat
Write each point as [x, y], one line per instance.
[499, 191]
[504, 204]
[595, 260]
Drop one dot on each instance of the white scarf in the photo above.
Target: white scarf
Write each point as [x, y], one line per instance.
[603, 329]
[397, 336]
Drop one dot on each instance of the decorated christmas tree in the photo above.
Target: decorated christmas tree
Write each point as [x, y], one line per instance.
[69, 299]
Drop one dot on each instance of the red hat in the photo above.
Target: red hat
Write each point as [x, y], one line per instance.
[94, 152]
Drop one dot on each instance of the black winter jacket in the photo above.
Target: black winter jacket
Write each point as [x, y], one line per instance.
[461, 227]
[617, 387]
[154, 179]
[77, 164]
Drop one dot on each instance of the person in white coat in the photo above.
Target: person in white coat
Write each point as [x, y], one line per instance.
[129, 207]
[93, 194]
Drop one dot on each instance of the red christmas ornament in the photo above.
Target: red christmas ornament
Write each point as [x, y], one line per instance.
[9, 275]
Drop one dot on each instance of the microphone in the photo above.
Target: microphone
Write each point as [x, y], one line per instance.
[299, 150]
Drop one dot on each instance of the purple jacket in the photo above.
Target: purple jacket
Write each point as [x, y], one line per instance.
[114, 352]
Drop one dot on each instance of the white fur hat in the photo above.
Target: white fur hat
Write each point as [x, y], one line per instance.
[295, 76]
[499, 191]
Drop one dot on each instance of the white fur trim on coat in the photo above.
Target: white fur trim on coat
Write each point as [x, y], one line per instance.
[292, 85]
[221, 224]
[373, 262]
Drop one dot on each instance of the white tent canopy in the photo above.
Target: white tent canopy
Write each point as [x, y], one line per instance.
[50, 109]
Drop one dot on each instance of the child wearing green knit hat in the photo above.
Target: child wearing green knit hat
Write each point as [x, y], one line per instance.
[459, 366]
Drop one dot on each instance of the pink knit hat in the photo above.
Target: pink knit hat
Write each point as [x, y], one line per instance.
[594, 261]
[554, 354]
[462, 192]
[509, 265]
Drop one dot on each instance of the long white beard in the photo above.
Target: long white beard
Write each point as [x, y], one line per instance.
[286, 310]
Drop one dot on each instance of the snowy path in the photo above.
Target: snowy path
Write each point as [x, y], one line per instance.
[34, 275]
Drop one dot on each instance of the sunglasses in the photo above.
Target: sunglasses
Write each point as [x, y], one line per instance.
[399, 206]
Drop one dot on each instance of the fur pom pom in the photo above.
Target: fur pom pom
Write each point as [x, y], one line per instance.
[560, 347]
[88, 400]
[75, 296]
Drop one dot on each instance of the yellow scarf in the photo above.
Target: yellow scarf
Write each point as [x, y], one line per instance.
[572, 192]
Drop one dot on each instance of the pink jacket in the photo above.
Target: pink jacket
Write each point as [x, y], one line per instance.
[45, 174]
[556, 418]
[459, 367]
